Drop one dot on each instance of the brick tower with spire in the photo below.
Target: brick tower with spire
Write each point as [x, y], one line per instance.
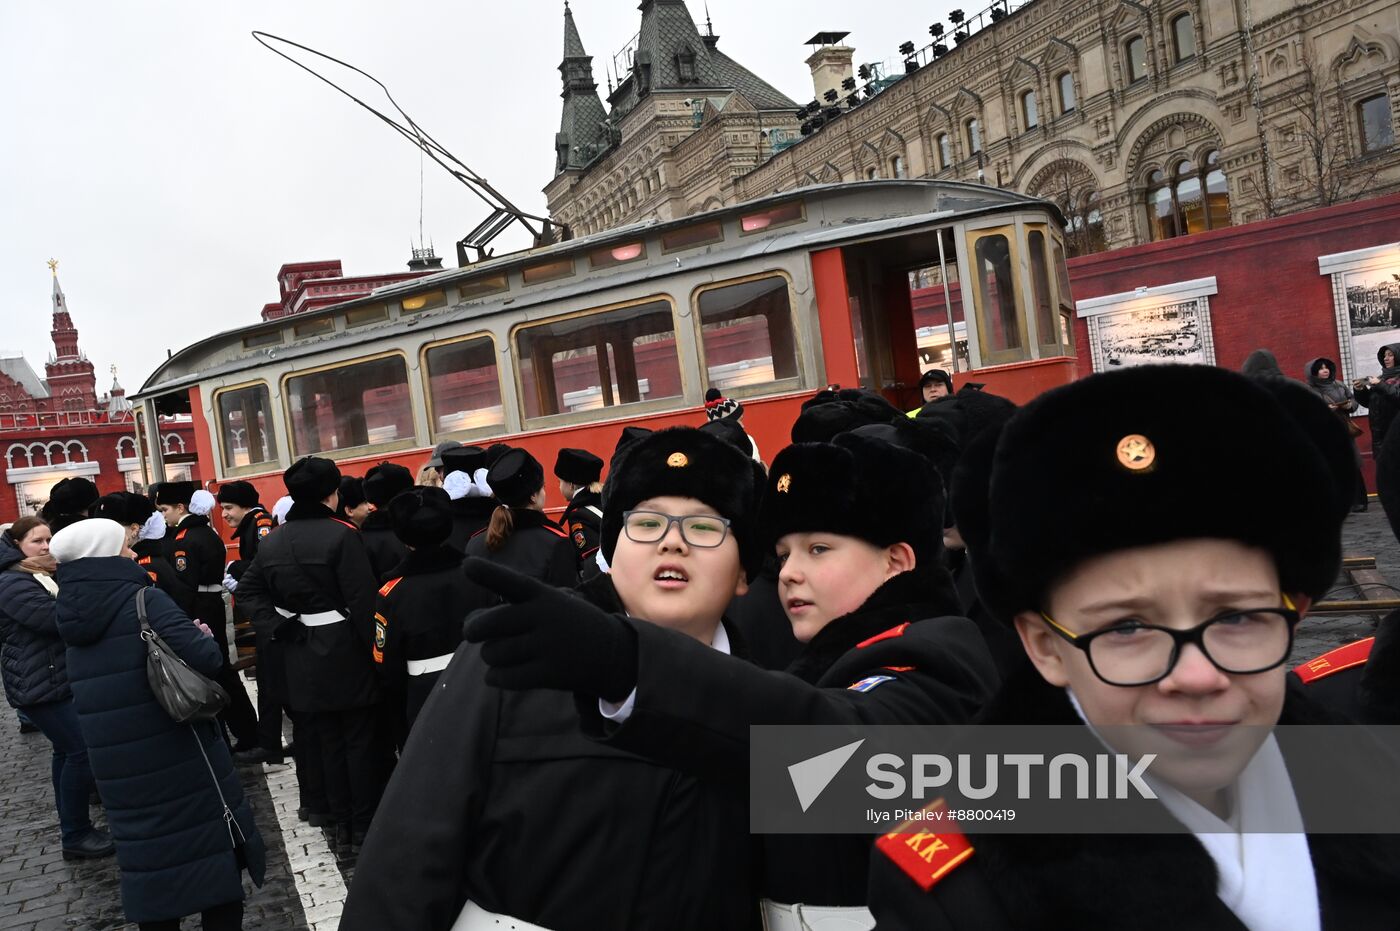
[69, 374]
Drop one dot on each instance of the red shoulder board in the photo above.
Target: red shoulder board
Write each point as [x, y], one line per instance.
[143, 561]
[181, 534]
[555, 530]
[927, 847]
[887, 635]
[1334, 661]
[389, 586]
[346, 523]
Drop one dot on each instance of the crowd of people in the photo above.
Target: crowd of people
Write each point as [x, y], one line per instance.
[519, 722]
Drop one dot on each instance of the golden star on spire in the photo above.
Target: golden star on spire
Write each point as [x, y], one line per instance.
[53, 266]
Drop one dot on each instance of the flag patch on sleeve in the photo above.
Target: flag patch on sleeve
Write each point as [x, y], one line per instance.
[868, 683]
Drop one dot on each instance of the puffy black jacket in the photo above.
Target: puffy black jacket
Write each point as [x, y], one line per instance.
[173, 847]
[32, 656]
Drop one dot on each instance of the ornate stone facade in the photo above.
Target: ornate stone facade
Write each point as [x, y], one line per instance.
[1144, 120]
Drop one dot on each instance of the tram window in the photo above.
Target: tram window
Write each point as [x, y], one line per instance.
[1047, 326]
[259, 340]
[598, 360]
[781, 215]
[688, 237]
[931, 303]
[360, 404]
[363, 316]
[1066, 299]
[620, 254]
[548, 271]
[245, 426]
[996, 296]
[463, 385]
[479, 287]
[747, 332]
[424, 301]
[317, 327]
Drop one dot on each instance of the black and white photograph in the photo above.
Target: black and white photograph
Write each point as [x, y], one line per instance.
[1373, 313]
[1170, 333]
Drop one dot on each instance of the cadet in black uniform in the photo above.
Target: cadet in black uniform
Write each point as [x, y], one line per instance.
[579, 472]
[383, 547]
[471, 506]
[354, 507]
[312, 590]
[519, 535]
[855, 525]
[500, 807]
[69, 501]
[250, 523]
[418, 618]
[194, 548]
[1155, 575]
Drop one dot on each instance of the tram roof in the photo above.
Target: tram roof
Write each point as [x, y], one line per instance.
[936, 202]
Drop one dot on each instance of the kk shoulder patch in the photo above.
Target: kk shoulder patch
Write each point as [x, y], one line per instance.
[1334, 661]
[389, 586]
[927, 856]
[868, 683]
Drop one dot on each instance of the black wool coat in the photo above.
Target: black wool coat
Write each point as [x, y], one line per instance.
[499, 797]
[198, 555]
[938, 672]
[469, 517]
[383, 547]
[536, 547]
[251, 530]
[173, 848]
[1147, 882]
[33, 659]
[316, 563]
[419, 616]
[150, 556]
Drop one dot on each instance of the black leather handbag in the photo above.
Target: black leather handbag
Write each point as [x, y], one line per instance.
[184, 693]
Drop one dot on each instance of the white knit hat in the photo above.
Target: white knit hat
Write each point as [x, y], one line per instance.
[95, 536]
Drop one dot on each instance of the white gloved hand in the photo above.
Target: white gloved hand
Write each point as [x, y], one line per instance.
[230, 583]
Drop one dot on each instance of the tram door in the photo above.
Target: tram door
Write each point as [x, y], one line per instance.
[900, 292]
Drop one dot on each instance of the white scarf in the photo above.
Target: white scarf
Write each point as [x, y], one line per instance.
[1266, 879]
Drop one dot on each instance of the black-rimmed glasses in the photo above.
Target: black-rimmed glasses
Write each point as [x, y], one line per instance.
[1239, 643]
[702, 530]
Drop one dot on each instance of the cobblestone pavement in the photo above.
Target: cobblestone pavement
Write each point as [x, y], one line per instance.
[306, 884]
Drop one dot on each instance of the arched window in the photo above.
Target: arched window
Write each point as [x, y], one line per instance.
[1135, 50]
[1374, 120]
[945, 151]
[1191, 199]
[872, 174]
[1066, 83]
[897, 166]
[1028, 110]
[973, 133]
[1183, 37]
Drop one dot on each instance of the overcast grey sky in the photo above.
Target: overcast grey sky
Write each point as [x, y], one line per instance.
[172, 164]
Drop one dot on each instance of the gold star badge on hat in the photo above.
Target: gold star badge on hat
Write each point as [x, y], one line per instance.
[784, 483]
[678, 460]
[1136, 452]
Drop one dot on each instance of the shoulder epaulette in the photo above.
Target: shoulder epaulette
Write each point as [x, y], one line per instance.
[555, 530]
[181, 535]
[885, 635]
[346, 523]
[1334, 661]
[389, 586]
[928, 846]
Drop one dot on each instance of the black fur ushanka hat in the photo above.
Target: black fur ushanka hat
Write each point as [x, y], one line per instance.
[856, 486]
[1149, 455]
[684, 462]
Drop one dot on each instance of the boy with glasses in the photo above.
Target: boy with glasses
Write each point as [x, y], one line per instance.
[1155, 559]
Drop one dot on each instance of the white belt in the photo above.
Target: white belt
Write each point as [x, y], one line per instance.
[314, 619]
[799, 917]
[421, 667]
[476, 918]
[215, 589]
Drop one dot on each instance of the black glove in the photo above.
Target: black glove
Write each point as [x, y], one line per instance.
[545, 638]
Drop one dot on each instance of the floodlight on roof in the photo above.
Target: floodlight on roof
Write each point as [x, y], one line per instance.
[906, 49]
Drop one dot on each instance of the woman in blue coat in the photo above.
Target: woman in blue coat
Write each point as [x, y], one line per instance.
[36, 680]
[176, 853]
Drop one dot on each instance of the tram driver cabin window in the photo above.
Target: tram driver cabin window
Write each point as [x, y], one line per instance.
[999, 325]
[245, 427]
[747, 332]
[360, 404]
[601, 359]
